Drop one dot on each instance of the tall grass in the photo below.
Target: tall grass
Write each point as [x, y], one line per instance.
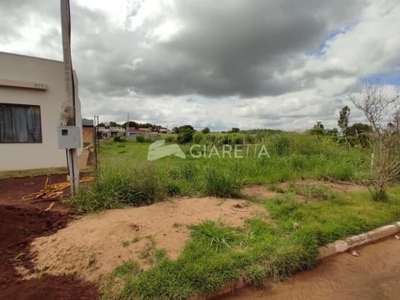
[220, 182]
[117, 184]
[125, 177]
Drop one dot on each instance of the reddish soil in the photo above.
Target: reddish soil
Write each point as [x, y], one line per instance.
[21, 222]
[13, 189]
[50, 288]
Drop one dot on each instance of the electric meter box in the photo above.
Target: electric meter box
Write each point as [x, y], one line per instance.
[69, 137]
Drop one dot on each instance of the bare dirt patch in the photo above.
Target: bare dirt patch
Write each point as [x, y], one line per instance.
[96, 244]
[13, 189]
[18, 227]
[335, 186]
[258, 192]
[263, 192]
[21, 222]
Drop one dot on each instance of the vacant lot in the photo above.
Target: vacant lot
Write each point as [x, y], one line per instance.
[175, 228]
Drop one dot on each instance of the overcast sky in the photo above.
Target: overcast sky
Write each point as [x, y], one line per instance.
[228, 63]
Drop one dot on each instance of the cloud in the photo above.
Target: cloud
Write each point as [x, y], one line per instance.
[221, 49]
[222, 64]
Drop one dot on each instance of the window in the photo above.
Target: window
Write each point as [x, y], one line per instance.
[20, 123]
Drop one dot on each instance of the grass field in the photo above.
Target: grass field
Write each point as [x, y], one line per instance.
[290, 157]
[217, 253]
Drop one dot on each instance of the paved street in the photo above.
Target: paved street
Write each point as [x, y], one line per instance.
[374, 275]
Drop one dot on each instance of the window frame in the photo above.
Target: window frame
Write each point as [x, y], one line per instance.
[40, 121]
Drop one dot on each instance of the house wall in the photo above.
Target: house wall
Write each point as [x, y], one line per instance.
[20, 156]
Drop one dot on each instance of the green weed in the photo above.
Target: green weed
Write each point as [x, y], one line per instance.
[220, 183]
[117, 184]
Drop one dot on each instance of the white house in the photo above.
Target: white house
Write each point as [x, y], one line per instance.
[32, 92]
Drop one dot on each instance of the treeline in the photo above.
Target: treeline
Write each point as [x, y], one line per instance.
[132, 124]
[356, 134]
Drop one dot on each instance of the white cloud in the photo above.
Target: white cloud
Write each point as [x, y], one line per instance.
[167, 30]
[247, 64]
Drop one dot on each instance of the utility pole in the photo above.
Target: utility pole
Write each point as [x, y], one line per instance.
[72, 154]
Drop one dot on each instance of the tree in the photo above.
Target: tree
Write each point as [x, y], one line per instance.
[235, 129]
[175, 130]
[381, 110]
[185, 134]
[318, 128]
[113, 124]
[357, 129]
[331, 132]
[319, 125]
[206, 130]
[343, 121]
[186, 127]
[132, 124]
[146, 125]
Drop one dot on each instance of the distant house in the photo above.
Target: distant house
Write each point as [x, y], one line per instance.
[117, 131]
[160, 129]
[145, 129]
[107, 133]
[133, 132]
[32, 92]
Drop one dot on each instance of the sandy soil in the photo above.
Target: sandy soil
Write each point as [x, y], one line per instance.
[335, 186]
[21, 222]
[375, 274]
[96, 244]
[258, 192]
[262, 192]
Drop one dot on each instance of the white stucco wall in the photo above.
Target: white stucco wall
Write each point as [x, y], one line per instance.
[21, 156]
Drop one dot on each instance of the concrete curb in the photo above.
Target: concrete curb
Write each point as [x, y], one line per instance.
[324, 252]
[358, 240]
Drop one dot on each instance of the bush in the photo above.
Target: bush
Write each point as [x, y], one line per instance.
[169, 139]
[206, 130]
[119, 139]
[185, 135]
[140, 139]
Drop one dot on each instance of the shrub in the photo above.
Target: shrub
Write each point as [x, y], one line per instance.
[169, 139]
[206, 130]
[140, 139]
[119, 139]
[185, 135]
